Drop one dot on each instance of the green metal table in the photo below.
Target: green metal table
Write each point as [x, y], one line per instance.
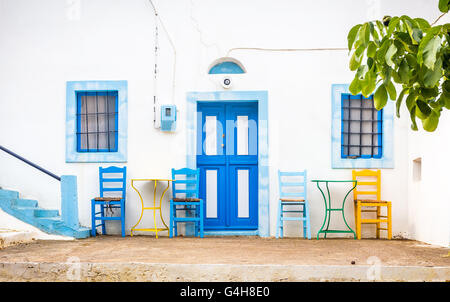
[329, 209]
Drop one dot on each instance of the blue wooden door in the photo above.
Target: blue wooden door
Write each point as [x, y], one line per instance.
[227, 155]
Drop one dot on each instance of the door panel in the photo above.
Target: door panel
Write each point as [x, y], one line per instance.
[227, 148]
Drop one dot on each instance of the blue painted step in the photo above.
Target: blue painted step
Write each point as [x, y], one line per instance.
[46, 220]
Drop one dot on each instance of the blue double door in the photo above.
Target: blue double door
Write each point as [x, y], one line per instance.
[227, 155]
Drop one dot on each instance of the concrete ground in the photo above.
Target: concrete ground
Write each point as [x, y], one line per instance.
[145, 258]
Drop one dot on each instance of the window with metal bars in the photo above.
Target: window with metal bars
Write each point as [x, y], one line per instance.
[362, 127]
[97, 121]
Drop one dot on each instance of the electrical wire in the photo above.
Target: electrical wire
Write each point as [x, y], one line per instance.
[157, 18]
[285, 49]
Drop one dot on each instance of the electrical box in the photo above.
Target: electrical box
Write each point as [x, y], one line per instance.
[168, 117]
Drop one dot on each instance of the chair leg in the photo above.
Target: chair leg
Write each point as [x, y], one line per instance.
[278, 220]
[308, 224]
[122, 218]
[171, 220]
[304, 220]
[389, 215]
[358, 219]
[201, 219]
[93, 228]
[196, 223]
[175, 224]
[378, 223]
[102, 215]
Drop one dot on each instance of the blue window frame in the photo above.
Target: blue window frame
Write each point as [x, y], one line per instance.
[361, 128]
[105, 145]
[383, 144]
[97, 121]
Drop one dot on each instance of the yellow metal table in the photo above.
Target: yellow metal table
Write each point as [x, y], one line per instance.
[154, 208]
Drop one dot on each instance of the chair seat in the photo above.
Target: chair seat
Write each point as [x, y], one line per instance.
[372, 200]
[185, 199]
[108, 198]
[292, 199]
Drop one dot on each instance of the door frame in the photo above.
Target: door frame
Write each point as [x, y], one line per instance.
[261, 97]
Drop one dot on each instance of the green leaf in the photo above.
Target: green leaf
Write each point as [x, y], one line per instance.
[364, 34]
[391, 91]
[352, 35]
[380, 26]
[406, 40]
[369, 84]
[423, 109]
[429, 52]
[389, 54]
[409, 27]
[444, 5]
[371, 49]
[399, 101]
[412, 114]
[429, 35]
[429, 93]
[355, 86]
[411, 100]
[355, 61]
[431, 122]
[362, 70]
[392, 25]
[381, 52]
[380, 97]
[432, 76]
[423, 24]
[403, 71]
[417, 34]
[412, 60]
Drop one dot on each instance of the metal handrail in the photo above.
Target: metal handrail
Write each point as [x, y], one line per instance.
[30, 163]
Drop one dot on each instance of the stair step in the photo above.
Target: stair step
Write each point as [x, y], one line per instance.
[46, 213]
[37, 212]
[27, 211]
[24, 203]
[8, 194]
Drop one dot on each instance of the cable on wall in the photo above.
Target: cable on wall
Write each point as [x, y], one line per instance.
[157, 18]
[284, 49]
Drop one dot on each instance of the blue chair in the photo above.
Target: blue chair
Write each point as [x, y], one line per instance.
[112, 183]
[186, 200]
[297, 198]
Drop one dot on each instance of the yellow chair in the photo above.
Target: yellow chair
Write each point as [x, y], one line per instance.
[368, 186]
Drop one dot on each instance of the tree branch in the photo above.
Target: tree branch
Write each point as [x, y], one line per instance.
[438, 19]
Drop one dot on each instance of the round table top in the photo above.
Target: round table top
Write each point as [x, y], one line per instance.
[326, 180]
[152, 179]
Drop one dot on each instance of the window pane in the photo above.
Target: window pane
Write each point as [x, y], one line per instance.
[243, 193]
[360, 127]
[211, 193]
[97, 121]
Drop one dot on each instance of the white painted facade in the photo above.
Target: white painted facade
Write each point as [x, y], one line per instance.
[44, 44]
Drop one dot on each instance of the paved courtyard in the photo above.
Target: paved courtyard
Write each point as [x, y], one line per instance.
[139, 258]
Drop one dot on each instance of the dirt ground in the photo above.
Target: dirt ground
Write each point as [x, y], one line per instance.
[229, 250]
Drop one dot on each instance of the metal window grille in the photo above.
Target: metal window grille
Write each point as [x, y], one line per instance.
[97, 121]
[362, 128]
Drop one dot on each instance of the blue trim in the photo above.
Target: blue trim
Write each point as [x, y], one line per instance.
[231, 233]
[386, 139]
[263, 143]
[72, 87]
[226, 67]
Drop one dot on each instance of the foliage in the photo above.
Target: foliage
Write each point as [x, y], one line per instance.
[409, 52]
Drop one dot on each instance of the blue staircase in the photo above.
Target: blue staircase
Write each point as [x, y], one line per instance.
[46, 220]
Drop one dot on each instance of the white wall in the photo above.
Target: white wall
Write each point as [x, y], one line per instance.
[41, 48]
